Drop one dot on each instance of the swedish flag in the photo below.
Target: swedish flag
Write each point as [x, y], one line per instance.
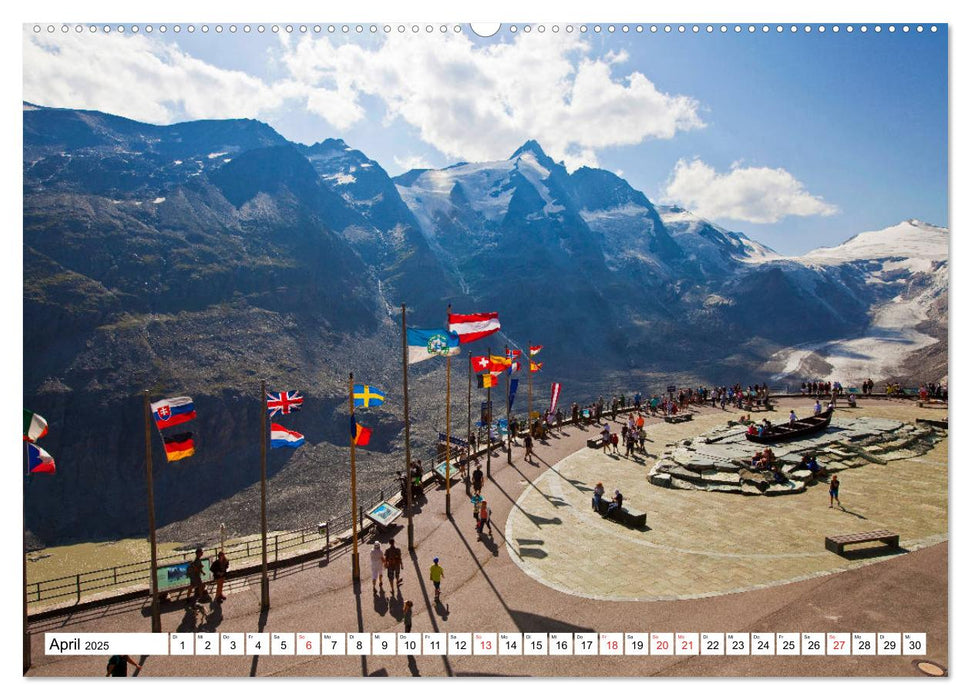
[367, 396]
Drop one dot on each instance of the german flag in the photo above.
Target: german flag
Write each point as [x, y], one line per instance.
[486, 380]
[179, 446]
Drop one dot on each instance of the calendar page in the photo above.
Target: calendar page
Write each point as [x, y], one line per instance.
[600, 347]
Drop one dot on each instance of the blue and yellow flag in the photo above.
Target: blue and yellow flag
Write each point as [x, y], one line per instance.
[367, 396]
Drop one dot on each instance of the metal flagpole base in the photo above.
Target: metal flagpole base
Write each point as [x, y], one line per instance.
[411, 536]
[265, 593]
[448, 504]
[26, 651]
[355, 567]
[156, 615]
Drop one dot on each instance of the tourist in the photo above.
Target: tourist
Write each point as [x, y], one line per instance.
[834, 491]
[605, 437]
[118, 666]
[485, 517]
[477, 479]
[406, 615]
[197, 589]
[616, 503]
[377, 567]
[219, 569]
[614, 441]
[792, 417]
[392, 561]
[528, 441]
[641, 437]
[851, 400]
[598, 494]
[817, 409]
[436, 573]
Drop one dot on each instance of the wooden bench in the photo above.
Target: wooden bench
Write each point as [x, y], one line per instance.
[624, 515]
[836, 543]
[677, 418]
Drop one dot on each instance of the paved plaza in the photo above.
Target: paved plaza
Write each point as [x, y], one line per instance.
[704, 562]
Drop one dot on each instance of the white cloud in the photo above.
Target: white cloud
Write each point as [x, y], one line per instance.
[758, 195]
[469, 101]
[411, 163]
[480, 103]
[139, 78]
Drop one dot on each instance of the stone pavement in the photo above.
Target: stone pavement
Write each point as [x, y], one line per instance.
[549, 567]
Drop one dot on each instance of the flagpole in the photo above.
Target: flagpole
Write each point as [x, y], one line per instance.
[448, 434]
[529, 368]
[408, 479]
[355, 562]
[153, 578]
[468, 427]
[27, 659]
[264, 576]
[489, 421]
[508, 427]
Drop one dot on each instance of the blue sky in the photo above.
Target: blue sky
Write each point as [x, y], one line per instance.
[798, 139]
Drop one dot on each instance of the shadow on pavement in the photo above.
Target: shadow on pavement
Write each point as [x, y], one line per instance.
[872, 552]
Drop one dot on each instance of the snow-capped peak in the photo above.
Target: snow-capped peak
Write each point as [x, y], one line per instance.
[917, 244]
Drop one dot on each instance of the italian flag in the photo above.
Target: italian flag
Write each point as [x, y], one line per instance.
[35, 427]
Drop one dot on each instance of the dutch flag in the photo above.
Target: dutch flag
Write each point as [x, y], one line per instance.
[281, 437]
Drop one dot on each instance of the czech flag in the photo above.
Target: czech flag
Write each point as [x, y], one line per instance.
[38, 461]
[179, 446]
[169, 412]
[360, 435]
[281, 437]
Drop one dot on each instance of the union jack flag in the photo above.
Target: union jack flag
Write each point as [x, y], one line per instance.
[283, 402]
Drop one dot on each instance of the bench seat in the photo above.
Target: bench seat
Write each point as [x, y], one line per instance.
[836, 543]
[626, 516]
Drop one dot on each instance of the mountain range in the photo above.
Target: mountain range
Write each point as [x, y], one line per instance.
[200, 258]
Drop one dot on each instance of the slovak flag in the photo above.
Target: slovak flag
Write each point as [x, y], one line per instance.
[281, 437]
[169, 412]
[283, 402]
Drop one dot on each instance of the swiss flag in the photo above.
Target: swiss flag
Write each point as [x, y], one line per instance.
[481, 363]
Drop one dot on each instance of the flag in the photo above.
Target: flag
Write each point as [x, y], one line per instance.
[367, 396]
[38, 461]
[554, 396]
[486, 380]
[471, 327]
[169, 412]
[429, 343]
[513, 367]
[499, 363]
[513, 354]
[281, 437]
[481, 363]
[360, 435]
[513, 385]
[534, 350]
[283, 402]
[535, 366]
[35, 427]
[179, 446]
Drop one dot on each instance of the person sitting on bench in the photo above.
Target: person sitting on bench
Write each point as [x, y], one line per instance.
[616, 503]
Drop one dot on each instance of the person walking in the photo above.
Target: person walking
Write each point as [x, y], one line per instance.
[377, 568]
[436, 573]
[485, 518]
[598, 494]
[197, 589]
[528, 441]
[406, 615]
[219, 569]
[392, 561]
[477, 480]
[834, 491]
[118, 666]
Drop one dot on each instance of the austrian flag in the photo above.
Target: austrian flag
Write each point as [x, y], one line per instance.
[470, 327]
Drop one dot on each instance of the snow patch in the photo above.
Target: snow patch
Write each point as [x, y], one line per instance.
[341, 178]
[158, 200]
[217, 155]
